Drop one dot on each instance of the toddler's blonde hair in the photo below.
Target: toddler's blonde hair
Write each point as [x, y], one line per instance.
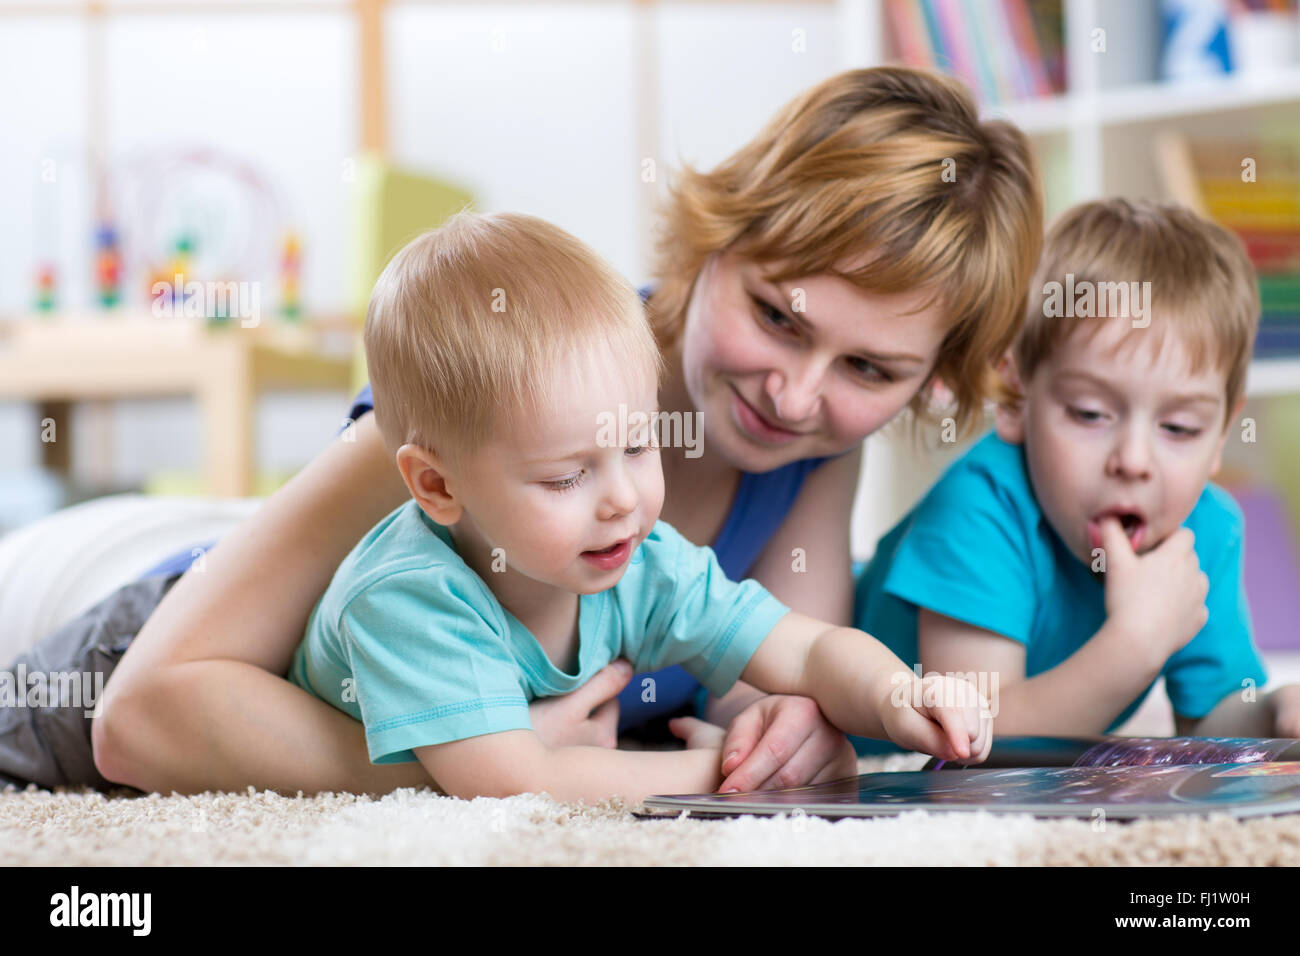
[1203, 285]
[471, 326]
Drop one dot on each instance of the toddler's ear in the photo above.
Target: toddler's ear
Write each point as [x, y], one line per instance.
[426, 481]
[1011, 405]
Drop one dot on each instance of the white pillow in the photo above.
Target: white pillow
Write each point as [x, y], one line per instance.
[57, 567]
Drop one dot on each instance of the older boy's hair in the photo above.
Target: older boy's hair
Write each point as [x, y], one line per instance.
[1202, 283]
[888, 178]
[471, 325]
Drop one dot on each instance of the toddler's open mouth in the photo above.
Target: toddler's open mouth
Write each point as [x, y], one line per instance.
[612, 557]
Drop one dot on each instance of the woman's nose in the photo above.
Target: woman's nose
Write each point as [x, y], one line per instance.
[795, 392]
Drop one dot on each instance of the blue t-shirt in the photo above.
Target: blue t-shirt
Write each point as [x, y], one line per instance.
[761, 504]
[977, 548]
[411, 642]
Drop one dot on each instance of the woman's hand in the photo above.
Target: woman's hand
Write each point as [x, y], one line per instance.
[784, 741]
[587, 717]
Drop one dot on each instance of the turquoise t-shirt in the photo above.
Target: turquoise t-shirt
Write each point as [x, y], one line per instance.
[978, 549]
[411, 642]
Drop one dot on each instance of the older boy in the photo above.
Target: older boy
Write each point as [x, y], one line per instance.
[1080, 552]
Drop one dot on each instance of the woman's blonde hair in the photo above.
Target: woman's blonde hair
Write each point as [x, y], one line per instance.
[887, 178]
[470, 324]
[1203, 285]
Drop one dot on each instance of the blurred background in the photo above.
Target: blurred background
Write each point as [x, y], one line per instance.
[284, 149]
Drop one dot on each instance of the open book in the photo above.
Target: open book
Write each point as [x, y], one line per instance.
[1122, 777]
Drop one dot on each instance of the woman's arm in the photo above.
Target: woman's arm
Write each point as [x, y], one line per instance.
[821, 584]
[779, 740]
[196, 702]
[817, 525]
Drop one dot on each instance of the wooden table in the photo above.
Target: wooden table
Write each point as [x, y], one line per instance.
[58, 361]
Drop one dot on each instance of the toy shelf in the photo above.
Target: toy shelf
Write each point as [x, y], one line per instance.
[57, 360]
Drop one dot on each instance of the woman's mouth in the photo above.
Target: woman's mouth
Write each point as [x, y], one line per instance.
[607, 559]
[756, 426]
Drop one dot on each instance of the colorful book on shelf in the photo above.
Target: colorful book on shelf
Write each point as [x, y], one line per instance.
[1124, 778]
[1048, 20]
[1252, 188]
[1003, 49]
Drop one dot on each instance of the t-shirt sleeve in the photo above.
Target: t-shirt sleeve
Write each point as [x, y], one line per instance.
[429, 666]
[364, 402]
[695, 616]
[1222, 656]
[965, 555]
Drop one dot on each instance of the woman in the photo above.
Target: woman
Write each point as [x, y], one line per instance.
[874, 238]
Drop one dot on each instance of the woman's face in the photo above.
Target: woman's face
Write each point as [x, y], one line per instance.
[802, 369]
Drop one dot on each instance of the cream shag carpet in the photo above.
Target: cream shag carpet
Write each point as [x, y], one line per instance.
[420, 827]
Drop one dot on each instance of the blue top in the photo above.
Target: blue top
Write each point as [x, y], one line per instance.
[410, 641]
[978, 548]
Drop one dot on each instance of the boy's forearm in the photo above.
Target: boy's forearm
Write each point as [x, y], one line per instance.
[1081, 695]
[1235, 717]
[851, 674]
[592, 774]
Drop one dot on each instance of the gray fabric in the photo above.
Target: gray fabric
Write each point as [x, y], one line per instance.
[49, 744]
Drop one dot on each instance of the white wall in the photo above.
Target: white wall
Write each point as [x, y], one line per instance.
[533, 107]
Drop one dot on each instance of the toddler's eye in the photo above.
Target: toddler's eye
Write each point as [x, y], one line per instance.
[633, 451]
[1182, 431]
[565, 484]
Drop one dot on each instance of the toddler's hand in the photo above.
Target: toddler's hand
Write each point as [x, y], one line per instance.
[1159, 596]
[698, 734]
[946, 717]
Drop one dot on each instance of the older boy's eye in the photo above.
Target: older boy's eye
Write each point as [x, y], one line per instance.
[565, 484]
[1087, 415]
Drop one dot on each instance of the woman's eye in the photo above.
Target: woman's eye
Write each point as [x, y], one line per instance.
[1182, 431]
[869, 370]
[565, 484]
[773, 316]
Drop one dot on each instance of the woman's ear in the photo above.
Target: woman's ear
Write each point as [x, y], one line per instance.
[426, 480]
[1011, 409]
